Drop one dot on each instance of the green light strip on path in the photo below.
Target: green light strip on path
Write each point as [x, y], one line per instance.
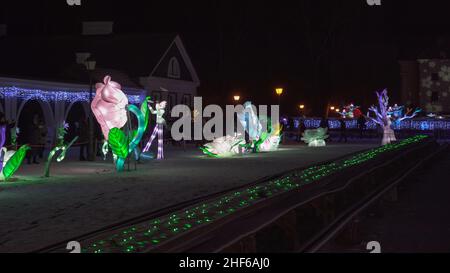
[145, 236]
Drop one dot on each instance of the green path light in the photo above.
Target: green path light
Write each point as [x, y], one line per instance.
[153, 232]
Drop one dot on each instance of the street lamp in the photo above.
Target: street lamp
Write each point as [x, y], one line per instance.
[236, 98]
[302, 108]
[279, 92]
[332, 108]
[90, 64]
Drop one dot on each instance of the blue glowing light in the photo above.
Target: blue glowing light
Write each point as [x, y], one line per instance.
[55, 95]
[411, 124]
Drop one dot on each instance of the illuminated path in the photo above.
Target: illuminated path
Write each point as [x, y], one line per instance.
[36, 213]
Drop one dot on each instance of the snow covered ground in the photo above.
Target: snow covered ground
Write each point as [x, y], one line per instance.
[81, 197]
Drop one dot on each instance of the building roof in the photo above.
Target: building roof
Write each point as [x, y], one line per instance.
[128, 56]
[424, 47]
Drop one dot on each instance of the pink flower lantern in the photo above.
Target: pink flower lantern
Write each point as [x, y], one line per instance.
[109, 105]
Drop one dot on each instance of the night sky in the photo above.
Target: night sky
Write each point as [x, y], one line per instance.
[318, 51]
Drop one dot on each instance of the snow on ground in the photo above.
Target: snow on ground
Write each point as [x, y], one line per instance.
[82, 197]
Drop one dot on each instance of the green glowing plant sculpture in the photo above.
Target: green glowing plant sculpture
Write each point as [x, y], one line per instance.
[110, 106]
[14, 133]
[145, 111]
[119, 143]
[13, 160]
[60, 147]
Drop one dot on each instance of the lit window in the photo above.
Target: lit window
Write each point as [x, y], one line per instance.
[174, 68]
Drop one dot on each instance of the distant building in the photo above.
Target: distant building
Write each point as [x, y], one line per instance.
[426, 82]
[425, 75]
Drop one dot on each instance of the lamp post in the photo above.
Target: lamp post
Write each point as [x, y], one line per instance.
[329, 108]
[237, 98]
[301, 107]
[90, 64]
[279, 92]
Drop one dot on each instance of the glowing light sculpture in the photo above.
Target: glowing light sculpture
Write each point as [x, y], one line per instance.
[141, 127]
[10, 161]
[14, 134]
[13, 160]
[159, 129]
[350, 111]
[272, 141]
[225, 146]
[385, 116]
[315, 137]
[119, 142]
[250, 122]
[105, 149]
[110, 107]
[259, 140]
[60, 147]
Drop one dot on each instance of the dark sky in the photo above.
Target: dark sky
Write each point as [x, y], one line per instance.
[337, 51]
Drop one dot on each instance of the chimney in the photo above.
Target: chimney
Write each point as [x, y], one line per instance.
[3, 30]
[98, 28]
[82, 57]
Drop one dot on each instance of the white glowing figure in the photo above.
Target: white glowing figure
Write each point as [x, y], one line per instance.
[315, 137]
[109, 106]
[7, 155]
[159, 128]
[250, 122]
[224, 146]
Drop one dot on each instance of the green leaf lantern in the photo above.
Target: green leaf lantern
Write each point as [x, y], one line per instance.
[118, 142]
[145, 112]
[15, 161]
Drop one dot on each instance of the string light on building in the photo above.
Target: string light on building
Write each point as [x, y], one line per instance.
[54, 95]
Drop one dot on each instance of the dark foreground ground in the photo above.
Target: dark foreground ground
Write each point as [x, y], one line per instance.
[82, 197]
[418, 222]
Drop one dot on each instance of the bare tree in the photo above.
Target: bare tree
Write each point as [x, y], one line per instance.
[386, 115]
